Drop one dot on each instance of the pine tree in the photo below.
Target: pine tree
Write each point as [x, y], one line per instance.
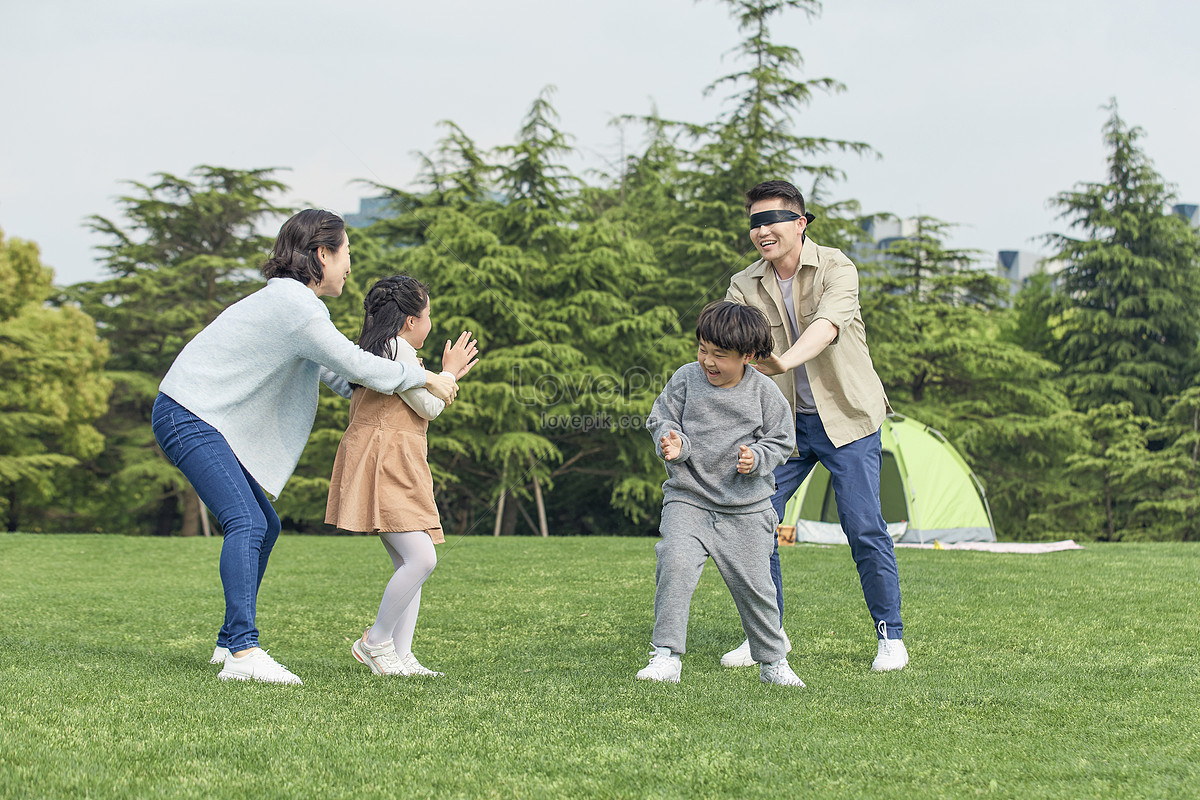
[574, 344]
[187, 248]
[1130, 296]
[1109, 473]
[1169, 509]
[704, 235]
[937, 339]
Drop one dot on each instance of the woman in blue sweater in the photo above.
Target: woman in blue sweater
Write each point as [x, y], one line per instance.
[236, 408]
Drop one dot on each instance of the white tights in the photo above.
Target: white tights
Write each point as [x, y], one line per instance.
[414, 558]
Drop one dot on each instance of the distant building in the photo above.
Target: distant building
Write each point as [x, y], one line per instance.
[883, 233]
[1189, 211]
[1017, 266]
[371, 209]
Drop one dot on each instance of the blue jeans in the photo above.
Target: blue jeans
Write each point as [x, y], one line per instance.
[250, 524]
[854, 469]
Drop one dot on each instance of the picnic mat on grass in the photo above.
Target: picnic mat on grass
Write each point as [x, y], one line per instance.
[999, 547]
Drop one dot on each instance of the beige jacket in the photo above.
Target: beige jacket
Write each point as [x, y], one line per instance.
[849, 395]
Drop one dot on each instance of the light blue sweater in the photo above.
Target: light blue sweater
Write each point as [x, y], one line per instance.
[254, 375]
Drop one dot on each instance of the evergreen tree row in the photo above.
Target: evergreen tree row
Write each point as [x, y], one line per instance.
[1076, 401]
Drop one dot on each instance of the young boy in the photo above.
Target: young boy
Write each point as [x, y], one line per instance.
[721, 427]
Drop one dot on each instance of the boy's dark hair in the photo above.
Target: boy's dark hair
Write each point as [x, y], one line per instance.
[785, 191]
[387, 306]
[295, 252]
[732, 326]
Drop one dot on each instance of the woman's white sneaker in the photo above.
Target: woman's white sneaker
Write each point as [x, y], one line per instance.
[256, 666]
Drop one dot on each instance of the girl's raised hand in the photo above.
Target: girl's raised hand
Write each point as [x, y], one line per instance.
[461, 356]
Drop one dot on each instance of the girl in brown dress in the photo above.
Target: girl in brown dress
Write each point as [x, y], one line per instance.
[381, 481]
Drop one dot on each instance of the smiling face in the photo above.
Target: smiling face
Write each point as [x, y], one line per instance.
[723, 368]
[336, 264]
[780, 242]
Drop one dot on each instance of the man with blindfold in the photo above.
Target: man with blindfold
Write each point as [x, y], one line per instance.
[821, 364]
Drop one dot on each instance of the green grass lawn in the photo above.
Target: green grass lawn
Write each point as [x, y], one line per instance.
[1071, 675]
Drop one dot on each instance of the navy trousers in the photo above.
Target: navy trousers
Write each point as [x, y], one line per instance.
[854, 468]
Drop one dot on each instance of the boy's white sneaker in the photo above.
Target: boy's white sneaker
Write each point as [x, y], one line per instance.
[664, 666]
[740, 656]
[892, 655]
[779, 672]
[381, 658]
[257, 666]
[219, 655]
[411, 666]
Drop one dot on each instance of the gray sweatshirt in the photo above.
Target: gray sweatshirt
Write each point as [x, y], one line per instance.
[713, 422]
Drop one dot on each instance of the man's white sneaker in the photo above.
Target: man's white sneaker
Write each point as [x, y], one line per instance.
[219, 655]
[664, 666]
[740, 656]
[257, 666]
[410, 666]
[381, 658]
[892, 655]
[779, 673]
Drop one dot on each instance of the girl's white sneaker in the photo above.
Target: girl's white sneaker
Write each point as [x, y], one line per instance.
[381, 658]
[413, 667]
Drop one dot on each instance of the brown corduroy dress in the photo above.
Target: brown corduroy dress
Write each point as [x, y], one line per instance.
[381, 479]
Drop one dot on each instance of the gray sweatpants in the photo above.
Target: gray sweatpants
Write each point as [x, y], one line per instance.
[741, 546]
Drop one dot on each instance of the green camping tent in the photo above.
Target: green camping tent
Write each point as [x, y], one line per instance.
[926, 492]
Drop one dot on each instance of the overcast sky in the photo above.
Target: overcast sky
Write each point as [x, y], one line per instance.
[981, 111]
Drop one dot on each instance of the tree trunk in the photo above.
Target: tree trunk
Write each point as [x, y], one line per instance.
[508, 525]
[190, 524]
[500, 512]
[204, 526]
[1109, 524]
[14, 514]
[537, 496]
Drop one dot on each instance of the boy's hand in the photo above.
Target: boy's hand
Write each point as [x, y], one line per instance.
[671, 446]
[745, 459]
[456, 359]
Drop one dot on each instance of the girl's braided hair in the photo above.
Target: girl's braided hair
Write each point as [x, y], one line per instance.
[387, 306]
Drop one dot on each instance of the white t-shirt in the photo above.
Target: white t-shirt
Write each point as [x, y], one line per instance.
[805, 404]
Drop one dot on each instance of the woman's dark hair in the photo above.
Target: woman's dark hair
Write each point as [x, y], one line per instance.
[387, 306]
[732, 326]
[295, 253]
